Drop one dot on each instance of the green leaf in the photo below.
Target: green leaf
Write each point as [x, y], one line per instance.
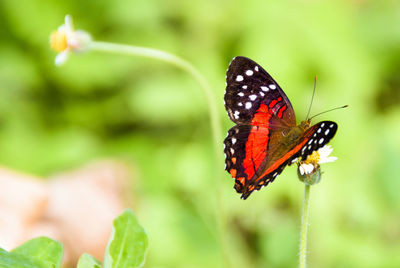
[12, 260]
[88, 261]
[43, 249]
[128, 243]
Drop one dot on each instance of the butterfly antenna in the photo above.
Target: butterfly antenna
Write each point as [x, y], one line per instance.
[312, 97]
[341, 107]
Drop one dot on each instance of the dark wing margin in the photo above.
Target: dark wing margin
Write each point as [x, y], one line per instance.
[235, 153]
[264, 180]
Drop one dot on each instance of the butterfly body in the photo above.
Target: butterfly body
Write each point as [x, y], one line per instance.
[266, 137]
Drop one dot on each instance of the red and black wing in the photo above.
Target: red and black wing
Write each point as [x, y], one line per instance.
[314, 138]
[248, 86]
[262, 111]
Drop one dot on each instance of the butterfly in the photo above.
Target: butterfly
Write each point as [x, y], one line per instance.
[266, 137]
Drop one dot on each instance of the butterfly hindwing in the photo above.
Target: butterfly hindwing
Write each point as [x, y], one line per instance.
[245, 151]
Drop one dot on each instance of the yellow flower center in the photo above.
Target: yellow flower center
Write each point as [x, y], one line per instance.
[312, 158]
[58, 41]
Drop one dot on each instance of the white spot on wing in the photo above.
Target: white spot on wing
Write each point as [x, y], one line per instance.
[323, 124]
[249, 72]
[236, 114]
[263, 88]
[319, 130]
[248, 105]
[239, 78]
[326, 132]
[331, 126]
[232, 151]
[321, 141]
[240, 104]
[253, 97]
[233, 141]
[240, 94]
[262, 94]
[244, 86]
[272, 86]
[256, 68]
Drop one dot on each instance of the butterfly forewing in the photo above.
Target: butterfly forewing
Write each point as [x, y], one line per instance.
[249, 85]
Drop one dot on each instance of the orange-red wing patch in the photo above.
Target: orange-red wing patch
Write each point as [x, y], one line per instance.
[281, 110]
[257, 142]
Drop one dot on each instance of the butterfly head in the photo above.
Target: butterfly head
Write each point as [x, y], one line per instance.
[304, 125]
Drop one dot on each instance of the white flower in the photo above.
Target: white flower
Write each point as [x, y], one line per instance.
[324, 153]
[66, 40]
[313, 161]
[306, 168]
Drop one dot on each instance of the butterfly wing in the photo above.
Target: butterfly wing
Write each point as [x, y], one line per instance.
[248, 86]
[313, 138]
[316, 137]
[262, 111]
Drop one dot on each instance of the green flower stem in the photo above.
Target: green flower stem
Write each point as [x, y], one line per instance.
[178, 62]
[304, 227]
[212, 109]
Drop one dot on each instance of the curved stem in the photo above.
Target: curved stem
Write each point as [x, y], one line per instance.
[212, 109]
[304, 227]
[184, 65]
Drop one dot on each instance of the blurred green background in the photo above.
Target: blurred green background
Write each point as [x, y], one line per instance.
[155, 117]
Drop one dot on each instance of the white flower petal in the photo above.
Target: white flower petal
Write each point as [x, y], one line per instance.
[62, 28]
[79, 40]
[324, 153]
[308, 168]
[68, 23]
[301, 169]
[61, 58]
[73, 40]
[327, 159]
